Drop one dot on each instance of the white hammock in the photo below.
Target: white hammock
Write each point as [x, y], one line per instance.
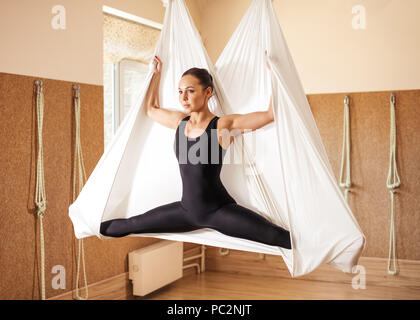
[290, 182]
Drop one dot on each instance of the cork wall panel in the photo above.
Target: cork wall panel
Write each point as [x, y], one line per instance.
[19, 234]
[370, 198]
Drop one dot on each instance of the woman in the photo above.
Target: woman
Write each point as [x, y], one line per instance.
[201, 140]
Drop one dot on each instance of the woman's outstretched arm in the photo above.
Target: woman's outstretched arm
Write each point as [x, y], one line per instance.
[240, 123]
[165, 117]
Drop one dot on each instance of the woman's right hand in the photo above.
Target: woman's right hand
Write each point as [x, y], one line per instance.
[158, 65]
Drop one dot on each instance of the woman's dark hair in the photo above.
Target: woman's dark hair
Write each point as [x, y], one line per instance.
[204, 77]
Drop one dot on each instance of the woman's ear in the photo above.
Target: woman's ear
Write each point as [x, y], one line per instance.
[210, 90]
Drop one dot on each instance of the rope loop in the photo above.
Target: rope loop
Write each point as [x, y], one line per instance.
[223, 251]
[41, 207]
[345, 153]
[80, 172]
[393, 181]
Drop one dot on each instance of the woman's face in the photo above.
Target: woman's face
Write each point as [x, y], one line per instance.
[192, 97]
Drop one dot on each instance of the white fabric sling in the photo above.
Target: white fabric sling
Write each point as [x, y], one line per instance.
[284, 174]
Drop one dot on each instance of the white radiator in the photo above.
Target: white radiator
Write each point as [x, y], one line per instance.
[155, 266]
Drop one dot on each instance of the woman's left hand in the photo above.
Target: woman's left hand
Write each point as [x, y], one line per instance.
[266, 61]
[270, 109]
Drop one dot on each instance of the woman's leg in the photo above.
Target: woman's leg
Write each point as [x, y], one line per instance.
[170, 217]
[237, 221]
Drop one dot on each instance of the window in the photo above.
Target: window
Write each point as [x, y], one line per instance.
[129, 44]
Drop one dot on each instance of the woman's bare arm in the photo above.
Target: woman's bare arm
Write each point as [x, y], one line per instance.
[165, 117]
[236, 124]
[239, 123]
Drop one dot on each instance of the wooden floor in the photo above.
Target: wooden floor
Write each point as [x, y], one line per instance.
[211, 285]
[241, 276]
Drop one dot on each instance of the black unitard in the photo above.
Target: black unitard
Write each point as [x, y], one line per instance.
[205, 202]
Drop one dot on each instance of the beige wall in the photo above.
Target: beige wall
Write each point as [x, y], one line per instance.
[329, 54]
[34, 48]
[30, 46]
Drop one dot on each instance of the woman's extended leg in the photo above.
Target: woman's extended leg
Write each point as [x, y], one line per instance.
[170, 217]
[237, 221]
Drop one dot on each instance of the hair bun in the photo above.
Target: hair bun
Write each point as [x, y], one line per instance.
[203, 75]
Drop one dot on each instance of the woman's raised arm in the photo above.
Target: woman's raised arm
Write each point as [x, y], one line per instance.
[165, 117]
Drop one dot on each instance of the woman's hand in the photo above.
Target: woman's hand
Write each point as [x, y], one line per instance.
[270, 110]
[158, 65]
[266, 61]
[270, 107]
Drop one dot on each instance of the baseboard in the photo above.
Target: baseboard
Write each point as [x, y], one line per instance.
[375, 269]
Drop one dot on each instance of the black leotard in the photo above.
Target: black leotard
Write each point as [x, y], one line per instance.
[205, 202]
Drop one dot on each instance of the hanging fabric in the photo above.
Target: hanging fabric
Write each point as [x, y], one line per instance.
[288, 180]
